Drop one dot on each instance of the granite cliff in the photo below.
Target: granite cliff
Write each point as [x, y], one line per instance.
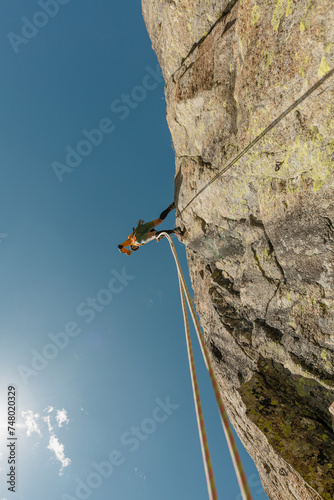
[260, 239]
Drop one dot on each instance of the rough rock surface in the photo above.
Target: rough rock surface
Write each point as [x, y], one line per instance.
[260, 239]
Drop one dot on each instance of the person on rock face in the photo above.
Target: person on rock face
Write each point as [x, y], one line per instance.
[145, 232]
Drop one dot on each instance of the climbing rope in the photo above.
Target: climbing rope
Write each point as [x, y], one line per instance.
[210, 481]
[242, 480]
[259, 137]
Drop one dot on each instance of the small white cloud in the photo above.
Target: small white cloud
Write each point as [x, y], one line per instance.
[48, 421]
[30, 420]
[58, 449]
[62, 417]
[34, 421]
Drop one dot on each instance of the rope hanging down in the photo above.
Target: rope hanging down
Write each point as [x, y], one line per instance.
[243, 485]
[210, 481]
[259, 137]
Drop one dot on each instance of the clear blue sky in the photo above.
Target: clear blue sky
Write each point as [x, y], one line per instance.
[121, 355]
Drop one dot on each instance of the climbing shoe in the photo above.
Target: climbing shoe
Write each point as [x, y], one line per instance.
[179, 232]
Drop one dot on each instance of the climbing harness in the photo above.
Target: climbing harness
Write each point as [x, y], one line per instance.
[259, 137]
[243, 485]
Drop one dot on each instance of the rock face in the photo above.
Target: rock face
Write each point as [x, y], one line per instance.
[260, 239]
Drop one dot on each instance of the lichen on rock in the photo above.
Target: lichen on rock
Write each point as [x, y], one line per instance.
[260, 239]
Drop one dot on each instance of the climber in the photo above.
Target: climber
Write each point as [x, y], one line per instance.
[145, 232]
